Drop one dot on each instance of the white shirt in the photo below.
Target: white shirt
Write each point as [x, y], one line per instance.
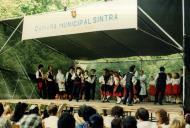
[169, 80]
[38, 74]
[152, 82]
[146, 124]
[164, 126]
[175, 81]
[109, 82]
[51, 122]
[92, 79]
[60, 78]
[107, 121]
[187, 126]
[143, 85]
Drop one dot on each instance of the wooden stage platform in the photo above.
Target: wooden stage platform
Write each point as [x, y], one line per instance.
[172, 109]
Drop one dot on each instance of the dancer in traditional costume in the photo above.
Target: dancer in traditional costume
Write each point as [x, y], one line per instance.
[176, 88]
[60, 79]
[87, 85]
[129, 86]
[69, 82]
[168, 92]
[92, 78]
[52, 89]
[152, 88]
[77, 84]
[143, 90]
[118, 90]
[160, 86]
[106, 82]
[40, 81]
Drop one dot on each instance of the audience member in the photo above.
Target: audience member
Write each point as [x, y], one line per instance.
[142, 115]
[66, 121]
[178, 122]
[4, 123]
[96, 121]
[162, 118]
[51, 121]
[129, 122]
[88, 111]
[116, 123]
[117, 112]
[19, 112]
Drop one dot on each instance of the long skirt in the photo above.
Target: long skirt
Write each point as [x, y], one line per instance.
[118, 91]
[152, 90]
[176, 89]
[168, 90]
[106, 90]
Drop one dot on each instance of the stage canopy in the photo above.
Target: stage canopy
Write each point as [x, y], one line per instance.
[148, 39]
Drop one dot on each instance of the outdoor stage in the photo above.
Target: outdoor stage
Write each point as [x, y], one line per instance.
[172, 109]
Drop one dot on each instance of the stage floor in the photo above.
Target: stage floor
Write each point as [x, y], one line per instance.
[170, 108]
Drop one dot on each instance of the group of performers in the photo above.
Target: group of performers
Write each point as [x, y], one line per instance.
[77, 84]
[129, 88]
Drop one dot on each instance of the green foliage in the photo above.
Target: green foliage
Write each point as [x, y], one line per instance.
[19, 60]
[16, 8]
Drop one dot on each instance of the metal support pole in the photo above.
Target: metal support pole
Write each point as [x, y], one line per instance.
[157, 25]
[11, 35]
[183, 27]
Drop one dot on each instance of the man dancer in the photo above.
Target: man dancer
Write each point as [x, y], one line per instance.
[160, 86]
[129, 86]
[93, 83]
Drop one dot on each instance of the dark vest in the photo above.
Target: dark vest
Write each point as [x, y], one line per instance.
[161, 81]
[129, 82]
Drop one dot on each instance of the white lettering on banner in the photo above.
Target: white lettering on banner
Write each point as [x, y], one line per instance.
[117, 14]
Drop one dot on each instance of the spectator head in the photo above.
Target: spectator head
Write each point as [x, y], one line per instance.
[162, 69]
[116, 123]
[86, 72]
[52, 109]
[19, 111]
[162, 117]
[45, 114]
[34, 109]
[8, 109]
[40, 66]
[96, 121]
[66, 121]
[187, 118]
[117, 111]
[1, 109]
[93, 71]
[88, 111]
[81, 110]
[142, 114]
[178, 122]
[129, 122]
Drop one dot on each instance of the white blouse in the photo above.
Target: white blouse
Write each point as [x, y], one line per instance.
[175, 81]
